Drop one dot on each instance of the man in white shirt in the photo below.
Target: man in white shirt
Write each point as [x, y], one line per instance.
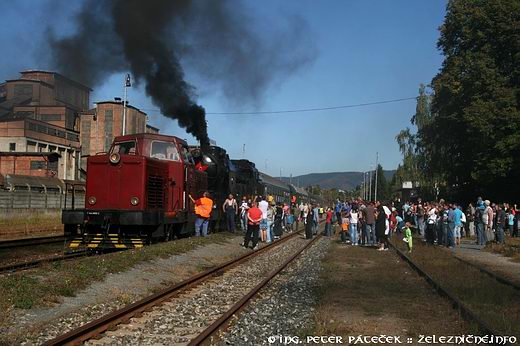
[430, 225]
[244, 207]
[263, 206]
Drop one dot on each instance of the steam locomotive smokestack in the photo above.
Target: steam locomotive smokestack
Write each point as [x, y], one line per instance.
[150, 37]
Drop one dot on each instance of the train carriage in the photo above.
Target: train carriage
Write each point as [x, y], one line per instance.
[298, 194]
[280, 191]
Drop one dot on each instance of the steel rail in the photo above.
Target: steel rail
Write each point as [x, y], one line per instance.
[224, 320]
[7, 244]
[35, 263]
[108, 321]
[444, 292]
[495, 276]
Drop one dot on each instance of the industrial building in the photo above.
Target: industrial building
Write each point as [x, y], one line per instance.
[39, 113]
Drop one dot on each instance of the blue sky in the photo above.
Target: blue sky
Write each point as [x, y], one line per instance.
[365, 51]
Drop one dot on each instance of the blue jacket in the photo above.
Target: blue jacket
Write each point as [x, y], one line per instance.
[457, 218]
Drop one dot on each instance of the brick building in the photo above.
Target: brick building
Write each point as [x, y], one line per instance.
[99, 126]
[35, 164]
[39, 112]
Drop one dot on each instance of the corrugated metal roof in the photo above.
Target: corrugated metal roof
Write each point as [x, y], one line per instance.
[25, 153]
[273, 181]
[24, 180]
[300, 190]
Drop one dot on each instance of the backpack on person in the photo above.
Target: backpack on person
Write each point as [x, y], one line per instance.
[479, 216]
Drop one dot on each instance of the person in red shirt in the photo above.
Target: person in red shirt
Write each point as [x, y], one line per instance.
[328, 223]
[254, 217]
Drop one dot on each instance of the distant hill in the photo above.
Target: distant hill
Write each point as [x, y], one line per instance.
[336, 180]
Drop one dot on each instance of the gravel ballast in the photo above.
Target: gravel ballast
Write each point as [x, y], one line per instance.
[285, 307]
[37, 325]
[184, 317]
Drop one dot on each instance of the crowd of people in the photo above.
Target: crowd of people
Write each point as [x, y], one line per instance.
[366, 223]
[262, 219]
[438, 223]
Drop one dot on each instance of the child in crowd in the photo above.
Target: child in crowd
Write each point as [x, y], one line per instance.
[344, 227]
[408, 236]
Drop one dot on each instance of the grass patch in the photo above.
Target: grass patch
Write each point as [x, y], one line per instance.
[495, 303]
[16, 224]
[364, 291]
[47, 284]
[510, 249]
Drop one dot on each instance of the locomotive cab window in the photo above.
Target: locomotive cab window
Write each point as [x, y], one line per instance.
[164, 151]
[126, 148]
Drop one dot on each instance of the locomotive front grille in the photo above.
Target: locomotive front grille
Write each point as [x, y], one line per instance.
[155, 191]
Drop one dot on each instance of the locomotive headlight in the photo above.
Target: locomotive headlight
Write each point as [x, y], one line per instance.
[134, 200]
[115, 158]
[92, 200]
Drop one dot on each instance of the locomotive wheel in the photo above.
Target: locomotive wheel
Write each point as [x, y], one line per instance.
[71, 230]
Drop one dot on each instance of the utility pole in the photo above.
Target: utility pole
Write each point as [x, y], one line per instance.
[375, 183]
[364, 188]
[370, 183]
[126, 86]
[244, 151]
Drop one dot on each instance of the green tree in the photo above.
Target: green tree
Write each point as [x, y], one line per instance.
[472, 139]
[384, 191]
[414, 165]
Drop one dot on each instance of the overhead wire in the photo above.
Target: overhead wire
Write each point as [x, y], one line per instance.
[306, 109]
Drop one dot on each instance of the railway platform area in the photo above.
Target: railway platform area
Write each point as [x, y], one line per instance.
[496, 263]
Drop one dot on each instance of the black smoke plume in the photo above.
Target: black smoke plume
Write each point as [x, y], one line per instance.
[150, 37]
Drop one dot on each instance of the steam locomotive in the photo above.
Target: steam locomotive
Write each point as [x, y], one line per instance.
[138, 192]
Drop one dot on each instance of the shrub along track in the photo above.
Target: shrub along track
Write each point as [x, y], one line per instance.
[483, 298]
[239, 271]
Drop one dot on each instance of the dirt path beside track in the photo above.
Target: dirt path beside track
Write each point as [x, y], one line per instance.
[496, 263]
[367, 292]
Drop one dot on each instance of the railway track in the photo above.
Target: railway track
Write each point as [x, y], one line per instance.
[208, 335]
[464, 310]
[36, 263]
[9, 244]
[495, 276]
[236, 272]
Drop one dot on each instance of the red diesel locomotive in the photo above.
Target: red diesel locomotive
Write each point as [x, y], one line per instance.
[136, 193]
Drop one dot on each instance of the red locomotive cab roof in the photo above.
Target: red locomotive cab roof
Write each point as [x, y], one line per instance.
[150, 136]
[162, 147]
